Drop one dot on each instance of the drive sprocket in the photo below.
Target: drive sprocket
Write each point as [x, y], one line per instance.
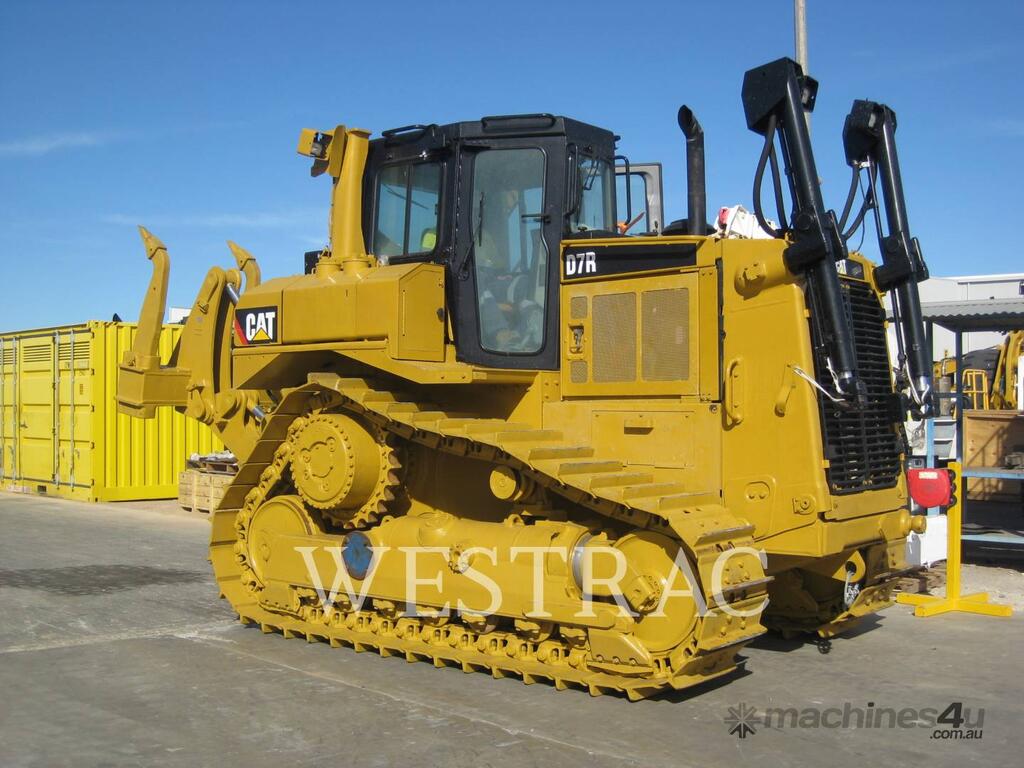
[343, 466]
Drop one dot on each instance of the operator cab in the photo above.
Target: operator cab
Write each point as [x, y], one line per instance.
[492, 200]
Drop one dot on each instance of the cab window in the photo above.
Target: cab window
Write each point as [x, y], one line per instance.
[637, 200]
[510, 253]
[408, 204]
[595, 208]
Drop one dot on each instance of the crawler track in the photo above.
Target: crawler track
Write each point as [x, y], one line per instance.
[567, 470]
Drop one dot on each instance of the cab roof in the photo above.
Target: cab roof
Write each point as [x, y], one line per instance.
[500, 126]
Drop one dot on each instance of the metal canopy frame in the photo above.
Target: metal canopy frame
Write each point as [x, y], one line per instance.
[972, 316]
[1001, 315]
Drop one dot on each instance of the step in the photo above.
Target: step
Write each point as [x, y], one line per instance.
[589, 467]
[487, 426]
[650, 490]
[340, 384]
[529, 435]
[473, 426]
[454, 424]
[399, 408]
[427, 416]
[379, 396]
[548, 452]
[612, 479]
[676, 501]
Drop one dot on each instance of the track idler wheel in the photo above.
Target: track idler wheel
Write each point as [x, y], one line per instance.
[279, 516]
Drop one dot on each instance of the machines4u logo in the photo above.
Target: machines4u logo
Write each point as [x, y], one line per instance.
[257, 325]
[955, 722]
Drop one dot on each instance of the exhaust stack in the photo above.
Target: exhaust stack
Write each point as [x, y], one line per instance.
[696, 188]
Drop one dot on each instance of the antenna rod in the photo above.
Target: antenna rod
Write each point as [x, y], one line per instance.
[800, 38]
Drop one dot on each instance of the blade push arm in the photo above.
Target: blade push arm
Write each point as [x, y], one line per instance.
[775, 99]
[869, 139]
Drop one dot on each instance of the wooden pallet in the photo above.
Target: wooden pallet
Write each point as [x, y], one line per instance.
[202, 491]
[923, 581]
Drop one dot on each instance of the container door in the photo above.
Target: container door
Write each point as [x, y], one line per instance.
[8, 375]
[36, 418]
[74, 396]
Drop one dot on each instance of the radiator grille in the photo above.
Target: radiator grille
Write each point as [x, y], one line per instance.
[578, 372]
[578, 307]
[665, 325]
[615, 337]
[862, 445]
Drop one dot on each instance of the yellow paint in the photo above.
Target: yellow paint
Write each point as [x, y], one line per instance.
[1002, 395]
[954, 600]
[680, 425]
[76, 445]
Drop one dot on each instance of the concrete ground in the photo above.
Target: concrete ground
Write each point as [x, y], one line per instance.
[1003, 585]
[115, 651]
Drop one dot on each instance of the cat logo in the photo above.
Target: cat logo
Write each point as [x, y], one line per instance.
[256, 326]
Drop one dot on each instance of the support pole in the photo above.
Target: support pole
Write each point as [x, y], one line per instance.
[800, 32]
[800, 39]
[976, 602]
[958, 385]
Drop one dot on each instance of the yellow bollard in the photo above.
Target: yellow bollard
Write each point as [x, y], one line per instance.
[976, 602]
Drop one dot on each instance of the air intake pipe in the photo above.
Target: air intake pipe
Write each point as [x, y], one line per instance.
[696, 190]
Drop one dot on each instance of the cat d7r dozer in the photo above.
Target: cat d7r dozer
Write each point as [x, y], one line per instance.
[489, 429]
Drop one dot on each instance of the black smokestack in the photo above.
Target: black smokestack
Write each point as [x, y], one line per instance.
[696, 192]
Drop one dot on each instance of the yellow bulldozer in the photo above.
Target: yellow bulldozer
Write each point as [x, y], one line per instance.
[489, 429]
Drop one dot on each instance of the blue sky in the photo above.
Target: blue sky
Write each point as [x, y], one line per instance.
[184, 117]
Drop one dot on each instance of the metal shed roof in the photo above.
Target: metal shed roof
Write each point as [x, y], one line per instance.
[976, 315]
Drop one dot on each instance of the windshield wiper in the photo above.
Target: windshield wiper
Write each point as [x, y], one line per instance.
[480, 222]
[591, 175]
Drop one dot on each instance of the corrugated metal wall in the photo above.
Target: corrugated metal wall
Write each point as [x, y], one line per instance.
[60, 432]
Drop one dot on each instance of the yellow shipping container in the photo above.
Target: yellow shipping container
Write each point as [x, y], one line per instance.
[60, 432]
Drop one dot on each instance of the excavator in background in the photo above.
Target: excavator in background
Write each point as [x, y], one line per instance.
[483, 385]
[869, 140]
[991, 376]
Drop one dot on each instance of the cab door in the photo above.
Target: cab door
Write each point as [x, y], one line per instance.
[511, 199]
